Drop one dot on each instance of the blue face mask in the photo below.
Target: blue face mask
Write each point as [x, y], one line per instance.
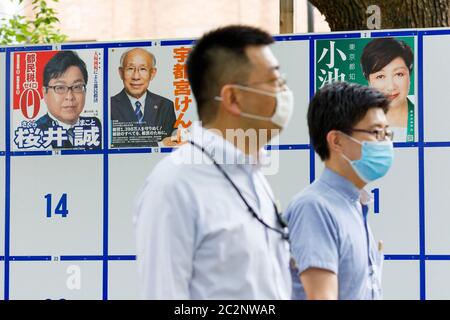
[376, 159]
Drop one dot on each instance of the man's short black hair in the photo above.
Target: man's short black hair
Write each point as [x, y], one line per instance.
[219, 58]
[59, 64]
[340, 106]
[380, 52]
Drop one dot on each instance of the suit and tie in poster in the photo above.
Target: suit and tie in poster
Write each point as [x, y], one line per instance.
[145, 111]
[57, 100]
[140, 117]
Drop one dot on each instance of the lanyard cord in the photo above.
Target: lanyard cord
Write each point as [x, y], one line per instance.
[283, 224]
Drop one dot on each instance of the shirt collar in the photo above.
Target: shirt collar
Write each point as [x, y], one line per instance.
[62, 124]
[141, 100]
[224, 152]
[345, 187]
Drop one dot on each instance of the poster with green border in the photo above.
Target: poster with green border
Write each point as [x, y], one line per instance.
[340, 60]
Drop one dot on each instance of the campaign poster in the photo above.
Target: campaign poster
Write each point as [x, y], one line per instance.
[57, 99]
[149, 96]
[387, 64]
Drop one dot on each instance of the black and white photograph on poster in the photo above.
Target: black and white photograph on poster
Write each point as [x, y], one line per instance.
[57, 100]
[142, 108]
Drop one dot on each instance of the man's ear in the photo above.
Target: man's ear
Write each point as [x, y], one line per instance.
[229, 100]
[121, 73]
[334, 140]
[153, 73]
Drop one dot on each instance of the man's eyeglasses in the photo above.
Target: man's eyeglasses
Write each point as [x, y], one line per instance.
[62, 89]
[380, 135]
[142, 70]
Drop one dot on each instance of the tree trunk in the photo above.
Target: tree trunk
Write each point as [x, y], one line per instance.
[395, 14]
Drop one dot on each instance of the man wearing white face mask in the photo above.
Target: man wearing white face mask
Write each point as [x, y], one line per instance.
[206, 223]
[335, 252]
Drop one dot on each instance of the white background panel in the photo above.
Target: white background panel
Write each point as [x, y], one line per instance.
[437, 205]
[2, 280]
[81, 232]
[2, 206]
[292, 176]
[401, 280]
[436, 96]
[293, 57]
[397, 224]
[127, 173]
[2, 101]
[123, 280]
[438, 280]
[41, 280]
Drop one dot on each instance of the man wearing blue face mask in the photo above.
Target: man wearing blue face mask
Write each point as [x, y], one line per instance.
[335, 252]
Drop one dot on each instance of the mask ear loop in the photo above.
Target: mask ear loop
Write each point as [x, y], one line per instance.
[351, 138]
[354, 140]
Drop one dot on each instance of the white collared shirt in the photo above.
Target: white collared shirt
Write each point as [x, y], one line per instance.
[195, 237]
[141, 100]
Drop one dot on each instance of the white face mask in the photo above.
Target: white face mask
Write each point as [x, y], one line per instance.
[284, 106]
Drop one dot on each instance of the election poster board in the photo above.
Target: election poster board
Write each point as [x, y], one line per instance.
[67, 229]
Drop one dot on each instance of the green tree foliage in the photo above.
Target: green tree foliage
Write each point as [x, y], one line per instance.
[42, 28]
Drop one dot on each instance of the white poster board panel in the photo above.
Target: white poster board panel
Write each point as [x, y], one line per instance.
[401, 280]
[436, 96]
[2, 99]
[42, 280]
[397, 223]
[293, 57]
[437, 280]
[127, 173]
[2, 280]
[38, 205]
[123, 283]
[2, 205]
[437, 206]
[292, 175]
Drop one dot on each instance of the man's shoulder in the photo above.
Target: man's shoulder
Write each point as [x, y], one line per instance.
[118, 97]
[43, 121]
[183, 164]
[172, 173]
[158, 99]
[311, 199]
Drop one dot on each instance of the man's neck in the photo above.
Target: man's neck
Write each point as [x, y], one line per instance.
[142, 97]
[345, 170]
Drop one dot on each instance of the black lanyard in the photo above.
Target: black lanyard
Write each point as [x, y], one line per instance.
[281, 222]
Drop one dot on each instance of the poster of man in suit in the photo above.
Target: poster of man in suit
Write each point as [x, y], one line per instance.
[51, 90]
[139, 116]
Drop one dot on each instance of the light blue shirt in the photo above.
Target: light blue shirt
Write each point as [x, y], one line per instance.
[327, 231]
[195, 237]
